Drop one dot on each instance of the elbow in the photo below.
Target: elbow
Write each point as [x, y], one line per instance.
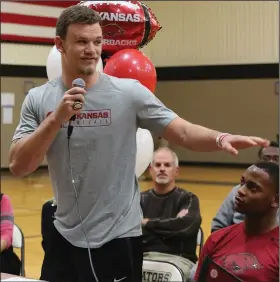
[196, 224]
[181, 139]
[185, 140]
[191, 228]
[18, 170]
[15, 167]
[21, 167]
[15, 170]
[177, 132]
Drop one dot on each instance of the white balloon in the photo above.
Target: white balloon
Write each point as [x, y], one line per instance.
[54, 64]
[54, 68]
[145, 150]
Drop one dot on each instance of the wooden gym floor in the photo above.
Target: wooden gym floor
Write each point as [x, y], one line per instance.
[28, 195]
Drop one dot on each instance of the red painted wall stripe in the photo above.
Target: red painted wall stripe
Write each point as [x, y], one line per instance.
[61, 4]
[34, 20]
[28, 20]
[27, 39]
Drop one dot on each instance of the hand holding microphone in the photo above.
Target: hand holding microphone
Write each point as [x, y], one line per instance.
[72, 101]
[81, 84]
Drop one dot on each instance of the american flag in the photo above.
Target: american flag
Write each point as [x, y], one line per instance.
[31, 21]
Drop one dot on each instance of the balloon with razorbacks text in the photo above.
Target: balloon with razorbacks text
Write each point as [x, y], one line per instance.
[125, 24]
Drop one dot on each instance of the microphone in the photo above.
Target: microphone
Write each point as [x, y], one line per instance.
[78, 82]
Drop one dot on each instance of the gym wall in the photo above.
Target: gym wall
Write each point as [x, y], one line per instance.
[217, 65]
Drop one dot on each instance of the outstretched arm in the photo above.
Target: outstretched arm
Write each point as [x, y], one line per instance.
[156, 117]
[199, 138]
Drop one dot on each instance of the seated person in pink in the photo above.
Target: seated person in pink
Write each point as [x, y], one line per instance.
[171, 215]
[250, 249]
[9, 261]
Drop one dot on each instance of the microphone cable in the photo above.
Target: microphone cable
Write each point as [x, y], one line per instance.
[77, 205]
[80, 83]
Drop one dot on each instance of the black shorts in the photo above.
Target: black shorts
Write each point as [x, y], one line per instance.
[119, 260]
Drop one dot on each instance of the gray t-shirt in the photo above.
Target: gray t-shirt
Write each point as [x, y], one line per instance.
[103, 155]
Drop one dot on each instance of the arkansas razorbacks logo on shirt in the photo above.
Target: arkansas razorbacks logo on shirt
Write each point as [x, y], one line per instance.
[238, 263]
[90, 118]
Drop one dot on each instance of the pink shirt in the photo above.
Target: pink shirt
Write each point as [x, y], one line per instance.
[7, 220]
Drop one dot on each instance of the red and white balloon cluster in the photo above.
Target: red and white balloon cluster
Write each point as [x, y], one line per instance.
[127, 27]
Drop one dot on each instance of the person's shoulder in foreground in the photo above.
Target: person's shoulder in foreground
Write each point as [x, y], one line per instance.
[44, 88]
[131, 88]
[35, 107]
[151, 113]
[37, 97]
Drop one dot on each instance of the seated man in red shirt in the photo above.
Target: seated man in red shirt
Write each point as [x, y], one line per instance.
[250, 249]
[171, 215]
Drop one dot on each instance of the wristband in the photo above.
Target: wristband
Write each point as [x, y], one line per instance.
[220, 138]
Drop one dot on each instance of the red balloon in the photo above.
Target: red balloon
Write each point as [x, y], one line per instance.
[132, 63]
